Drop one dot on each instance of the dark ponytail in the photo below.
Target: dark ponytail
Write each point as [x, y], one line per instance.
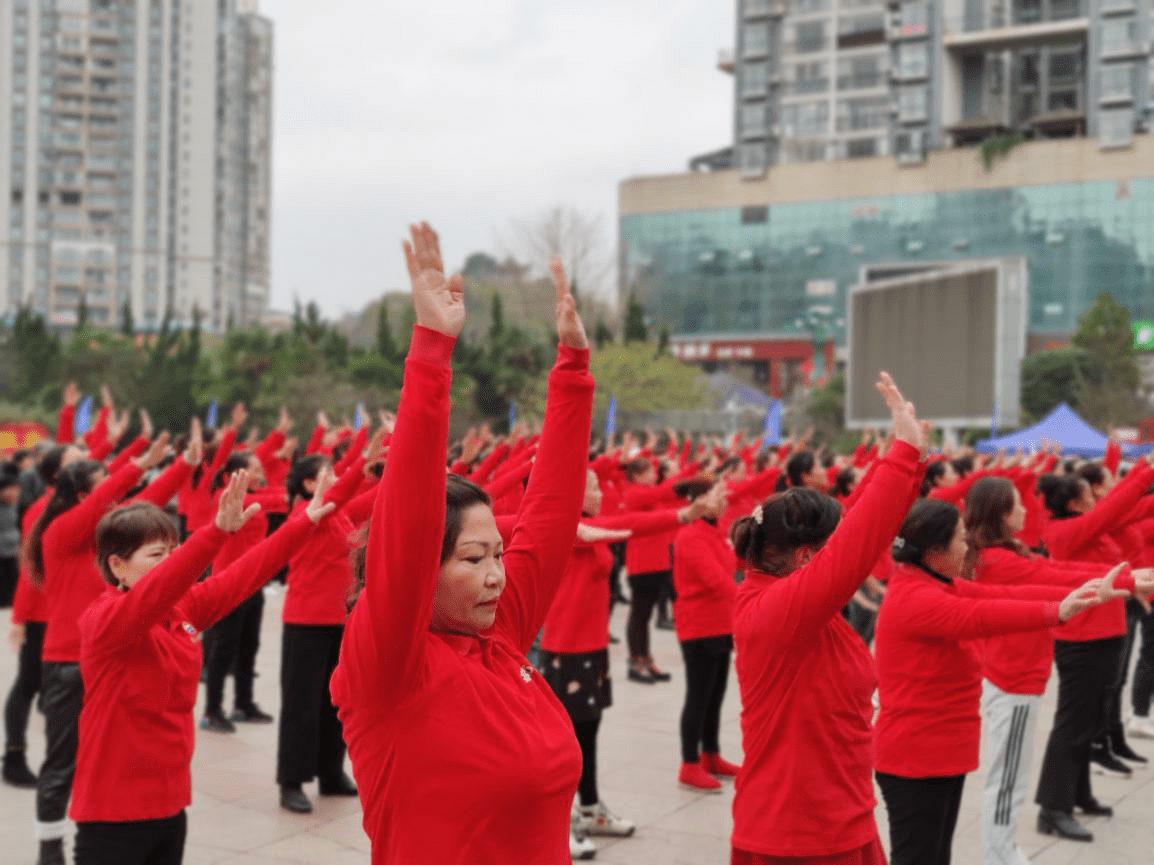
[930, 525]
[788, 521]
[235, 463]
[1057, 493]
[930, 480]
[305, 469]
[797, 467]
[72, 482]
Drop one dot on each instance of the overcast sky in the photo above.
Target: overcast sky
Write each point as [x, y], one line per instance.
[472, 115]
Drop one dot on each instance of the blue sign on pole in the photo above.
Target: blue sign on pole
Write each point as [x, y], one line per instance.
[611, 417]
[359, 417]
[512, 414]
[210, 418]
[771, 435]
[83, 420]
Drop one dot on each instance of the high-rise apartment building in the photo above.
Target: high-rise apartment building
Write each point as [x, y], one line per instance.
[135, 159]
[835, 79]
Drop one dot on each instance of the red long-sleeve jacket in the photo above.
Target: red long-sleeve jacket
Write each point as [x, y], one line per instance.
[71, 579]
[195, 501]
[578, 621]
[320, 575]
[140, 659]
[1019, 663]
[704, 566]
[28, 604]
[806, 784]
[461, 751]
[1084, 539]
[929, 676]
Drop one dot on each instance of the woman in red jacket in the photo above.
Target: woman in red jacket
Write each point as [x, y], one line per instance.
[140, 662]
[805, 790]
[461, 751]
[320, 577]
[1016, 666]
[1086, 652]
[575, 645]
[704, 567]
[928, 728]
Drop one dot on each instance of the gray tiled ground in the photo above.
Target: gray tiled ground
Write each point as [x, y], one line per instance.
[234, 819]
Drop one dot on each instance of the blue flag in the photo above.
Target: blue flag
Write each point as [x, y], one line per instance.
[83, 420]
[994, 422]
[359, 417]
[611, 417]
[512, 414]
[771, 435]
[210, 418]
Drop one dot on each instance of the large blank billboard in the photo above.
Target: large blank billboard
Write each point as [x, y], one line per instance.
[952, 337]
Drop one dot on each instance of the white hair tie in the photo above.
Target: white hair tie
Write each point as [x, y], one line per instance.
[758, 515]
[899, 542]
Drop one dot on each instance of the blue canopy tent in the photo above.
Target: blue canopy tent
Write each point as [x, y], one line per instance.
[1064, 426]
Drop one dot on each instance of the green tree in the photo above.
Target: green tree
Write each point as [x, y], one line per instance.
[602, 335]
[1050, 378]
[1104, 332]
[82, 313]
[643, 382]
[663, 341]
[635, 327]
[127, 327]
[386, 345]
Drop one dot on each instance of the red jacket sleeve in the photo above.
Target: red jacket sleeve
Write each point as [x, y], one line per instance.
[1113, 457]
[353, 452]
[927, 611]
[347, 484]
[361, 507]
[97, 437]
[801, 603]
[210, 601]
[138, 446]
[152, 598]
[508, 481]
[220, 456]
[64, 425]
[266, 451]
[383, 651]
[547, 522]
[74, 528]
[1066, 537]
[315, 440]
[481, 474]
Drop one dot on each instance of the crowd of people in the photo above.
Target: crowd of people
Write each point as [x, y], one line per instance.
[879, 606]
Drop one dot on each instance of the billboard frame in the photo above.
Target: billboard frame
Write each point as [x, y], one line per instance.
[1011, 304]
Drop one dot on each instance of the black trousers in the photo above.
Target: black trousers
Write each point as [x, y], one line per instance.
[923, 813]
[139, 842]
[9, 574]
[311, 743]
[1113, 732]
[24, 690]
[644, 590]
[587, 738]
[1086, 673]
[706, 676]
[232, 647]
[61, 695]
[1143, 689]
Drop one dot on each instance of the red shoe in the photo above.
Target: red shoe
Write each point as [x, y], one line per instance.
[694, 775]
[715, 765]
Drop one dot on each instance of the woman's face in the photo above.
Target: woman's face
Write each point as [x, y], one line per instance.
[814, 479]
[472, 578]
[1084, 503]
[144, 559]
[646, 478]
[951, 561]
[592, 504]
[717, 504]
[947, 478]
[1015, 520]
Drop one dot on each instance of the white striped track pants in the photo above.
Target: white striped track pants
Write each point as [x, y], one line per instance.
[1010, 722]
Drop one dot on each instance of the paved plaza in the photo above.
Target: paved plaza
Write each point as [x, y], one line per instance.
[235, 818]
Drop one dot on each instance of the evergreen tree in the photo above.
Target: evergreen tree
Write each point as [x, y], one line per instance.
[82, 313]
[663, 341]
[602, 335]
[635, 327]
[127, 327]
[386, 344]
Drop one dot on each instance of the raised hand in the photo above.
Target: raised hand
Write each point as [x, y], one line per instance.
[284, 422]
[318, 508]
[1092, 593]
[155, 453]
[376, 446]
[71, 394]
[905, 420]
[194, 452]
[570, 330]
[106, 398]
[231, 513]
[388, 421]
[145, 424]
[595, 535]
[239, 415]
[439, 302]
[117, 426]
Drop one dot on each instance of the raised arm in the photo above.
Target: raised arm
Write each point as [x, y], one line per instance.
[67, 417]
[382, 654]
[801, 603]
[1067, 536]
[547, 522]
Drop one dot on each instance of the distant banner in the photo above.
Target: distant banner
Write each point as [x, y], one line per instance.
[1143, 335]
[15, 435]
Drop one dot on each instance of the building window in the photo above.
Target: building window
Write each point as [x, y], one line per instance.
[1115, 127]
[861, 147]
[810, 78]
[912, 103]
[869, 113]
[753, 120]
[805, 151]
[913, 59]
[1119, 36]
[806, 119]
[915, 17]
[754, 79]
[754, 40]
[858, 30]
[809, 36]
[754, 8]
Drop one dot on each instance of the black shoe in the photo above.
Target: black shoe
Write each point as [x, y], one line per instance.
[217, 723]
[1062, 825]
[643, 676]
[665, 624]
[16, 771]
[658, 675]
[294, 799]
[1102, 760]
[250, 715]
[1093, 808]
[1125, 752]
[340, 786]
[51, 852]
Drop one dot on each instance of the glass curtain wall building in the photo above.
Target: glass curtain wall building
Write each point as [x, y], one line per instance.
[135, 159]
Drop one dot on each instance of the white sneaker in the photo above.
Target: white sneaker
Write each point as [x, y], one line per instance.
[580, 847]
[599, 820]
[1141, 727]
